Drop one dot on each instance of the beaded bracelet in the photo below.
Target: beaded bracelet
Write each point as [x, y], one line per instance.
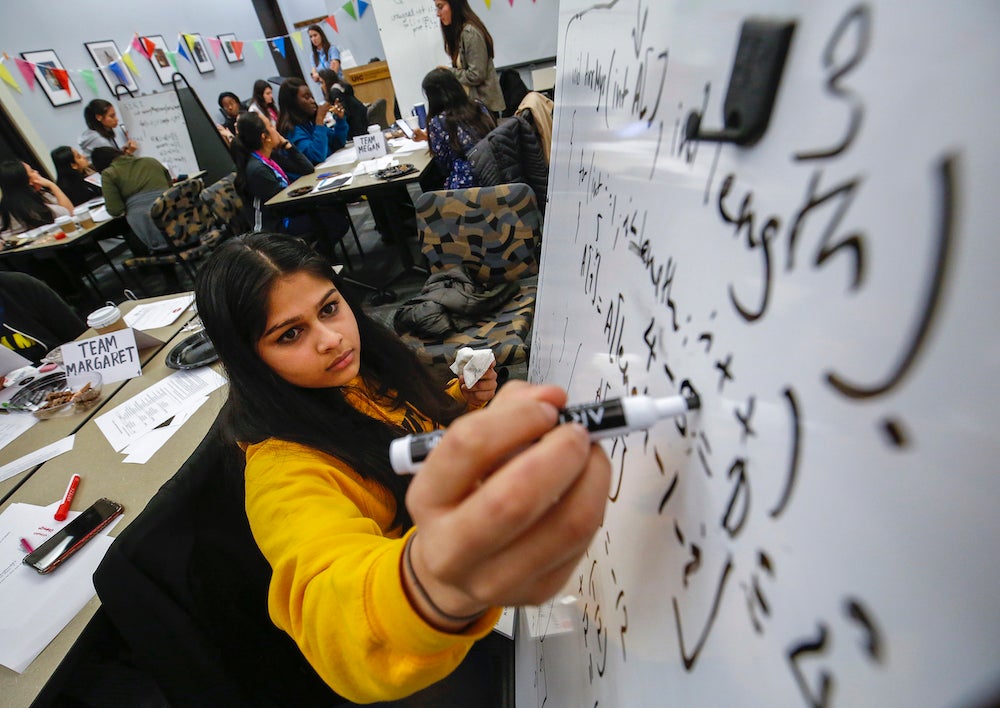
[469, 619]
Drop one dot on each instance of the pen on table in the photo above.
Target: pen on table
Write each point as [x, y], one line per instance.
[26, 546]
[67, 501]
[605, 419]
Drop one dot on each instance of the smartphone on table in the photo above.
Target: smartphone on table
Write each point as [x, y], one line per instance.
[72, 537]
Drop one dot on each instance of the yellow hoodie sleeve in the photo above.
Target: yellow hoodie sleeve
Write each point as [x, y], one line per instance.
[336, 586]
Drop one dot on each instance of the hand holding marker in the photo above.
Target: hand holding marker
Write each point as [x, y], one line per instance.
[604, 420]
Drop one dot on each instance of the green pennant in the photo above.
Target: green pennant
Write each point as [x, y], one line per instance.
[260, 45]
[173, 60]
[88, 77]
[349, 9]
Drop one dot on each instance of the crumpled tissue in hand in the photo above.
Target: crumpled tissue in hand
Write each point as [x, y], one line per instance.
[471, 364]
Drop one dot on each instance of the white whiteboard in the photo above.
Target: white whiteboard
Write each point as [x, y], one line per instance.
[156, 123]
[825, 530]
[411, 36]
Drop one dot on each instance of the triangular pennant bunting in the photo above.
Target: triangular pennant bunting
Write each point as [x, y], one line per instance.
[332, 22]
[62, 76]
[27, 71]
[362, 6]
[279, 44]
[258, 45]
[173, 60]
[89, 79]
[137, 44]
[6, 76]
[216, 45]
[130, 64]
[116, 69]
[150, 46]
[349, 9]
[181, 49]
[297, 36]
[238, 49]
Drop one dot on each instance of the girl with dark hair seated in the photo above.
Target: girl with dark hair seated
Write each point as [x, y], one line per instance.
[130, 185]
[337, 89]
[29, 199]
[455, 125]
[72, 169]
[303, 122]
[102, 129]
[386, 581]
[263, 101]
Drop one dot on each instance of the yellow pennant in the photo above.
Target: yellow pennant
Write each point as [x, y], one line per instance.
[127, 58]
[5, 75]
[297, 36]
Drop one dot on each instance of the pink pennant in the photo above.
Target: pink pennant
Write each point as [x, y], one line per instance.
[216, 45]
[137, 45]
[27, 71]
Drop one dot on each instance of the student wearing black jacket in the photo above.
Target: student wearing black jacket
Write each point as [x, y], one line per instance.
[72, 168]
[34, 318]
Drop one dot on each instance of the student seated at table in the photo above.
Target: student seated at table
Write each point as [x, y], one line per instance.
[386, 581]
[455, 125]
[302, 121]
[130, 186]
[29, 199]
[337, 89]
[102, 129]
[263, 100]
[72, 169]
[230, 109]
[33, 318]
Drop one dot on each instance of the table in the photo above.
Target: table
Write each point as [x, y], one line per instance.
[79, 239]
[104, 475]
[46, 432]
[367, 185]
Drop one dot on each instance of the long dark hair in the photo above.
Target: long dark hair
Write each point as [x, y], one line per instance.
[289, 112]
[68, 179]
[462, 14]
[446, 97]
[249, 128]
[20, 201]
[97, 107]
[232, 291]
[259, 86]
[323, 41]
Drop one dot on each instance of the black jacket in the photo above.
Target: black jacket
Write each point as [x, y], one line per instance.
[512, 152]
[262, 184]
[35, 319]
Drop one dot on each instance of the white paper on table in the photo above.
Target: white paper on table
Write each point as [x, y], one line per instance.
[37, 457]
[370, 167]
[158, 314]
[139, 451]
[144, 411]
[404, 145]
[11, 360]
[12, 425]
[34, 608]
[100, 214]
[344, 156]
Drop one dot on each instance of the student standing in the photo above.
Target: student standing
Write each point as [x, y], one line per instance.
[102, 129]
[385, 581]
[324, 54]
[470, 46]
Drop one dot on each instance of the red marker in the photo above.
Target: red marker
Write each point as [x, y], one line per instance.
[26, 546]
[63, 509]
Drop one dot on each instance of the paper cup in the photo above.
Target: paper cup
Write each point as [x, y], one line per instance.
[106, 319]
[66, 223]
[84, 217]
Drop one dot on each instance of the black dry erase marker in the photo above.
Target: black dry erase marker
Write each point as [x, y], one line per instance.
[604, 420]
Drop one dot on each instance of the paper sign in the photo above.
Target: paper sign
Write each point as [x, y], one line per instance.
[370, 145]
[114, 356]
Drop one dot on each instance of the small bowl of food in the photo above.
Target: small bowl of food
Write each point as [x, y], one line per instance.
[57, 395]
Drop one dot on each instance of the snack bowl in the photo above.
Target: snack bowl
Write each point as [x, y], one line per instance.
[56, 395]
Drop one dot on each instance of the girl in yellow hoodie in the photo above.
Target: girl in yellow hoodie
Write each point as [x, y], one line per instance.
[385, 583]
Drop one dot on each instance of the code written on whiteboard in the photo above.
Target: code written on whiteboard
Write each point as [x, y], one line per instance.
[753, 551]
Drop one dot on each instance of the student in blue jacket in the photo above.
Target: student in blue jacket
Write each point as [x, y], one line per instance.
[303, 122]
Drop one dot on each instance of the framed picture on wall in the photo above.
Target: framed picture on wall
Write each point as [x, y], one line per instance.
[51, 76]
[105, 54]
[199, 53]
[159, 57]
[232, 56]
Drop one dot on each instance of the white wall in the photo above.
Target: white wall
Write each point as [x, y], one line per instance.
[64, 26]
